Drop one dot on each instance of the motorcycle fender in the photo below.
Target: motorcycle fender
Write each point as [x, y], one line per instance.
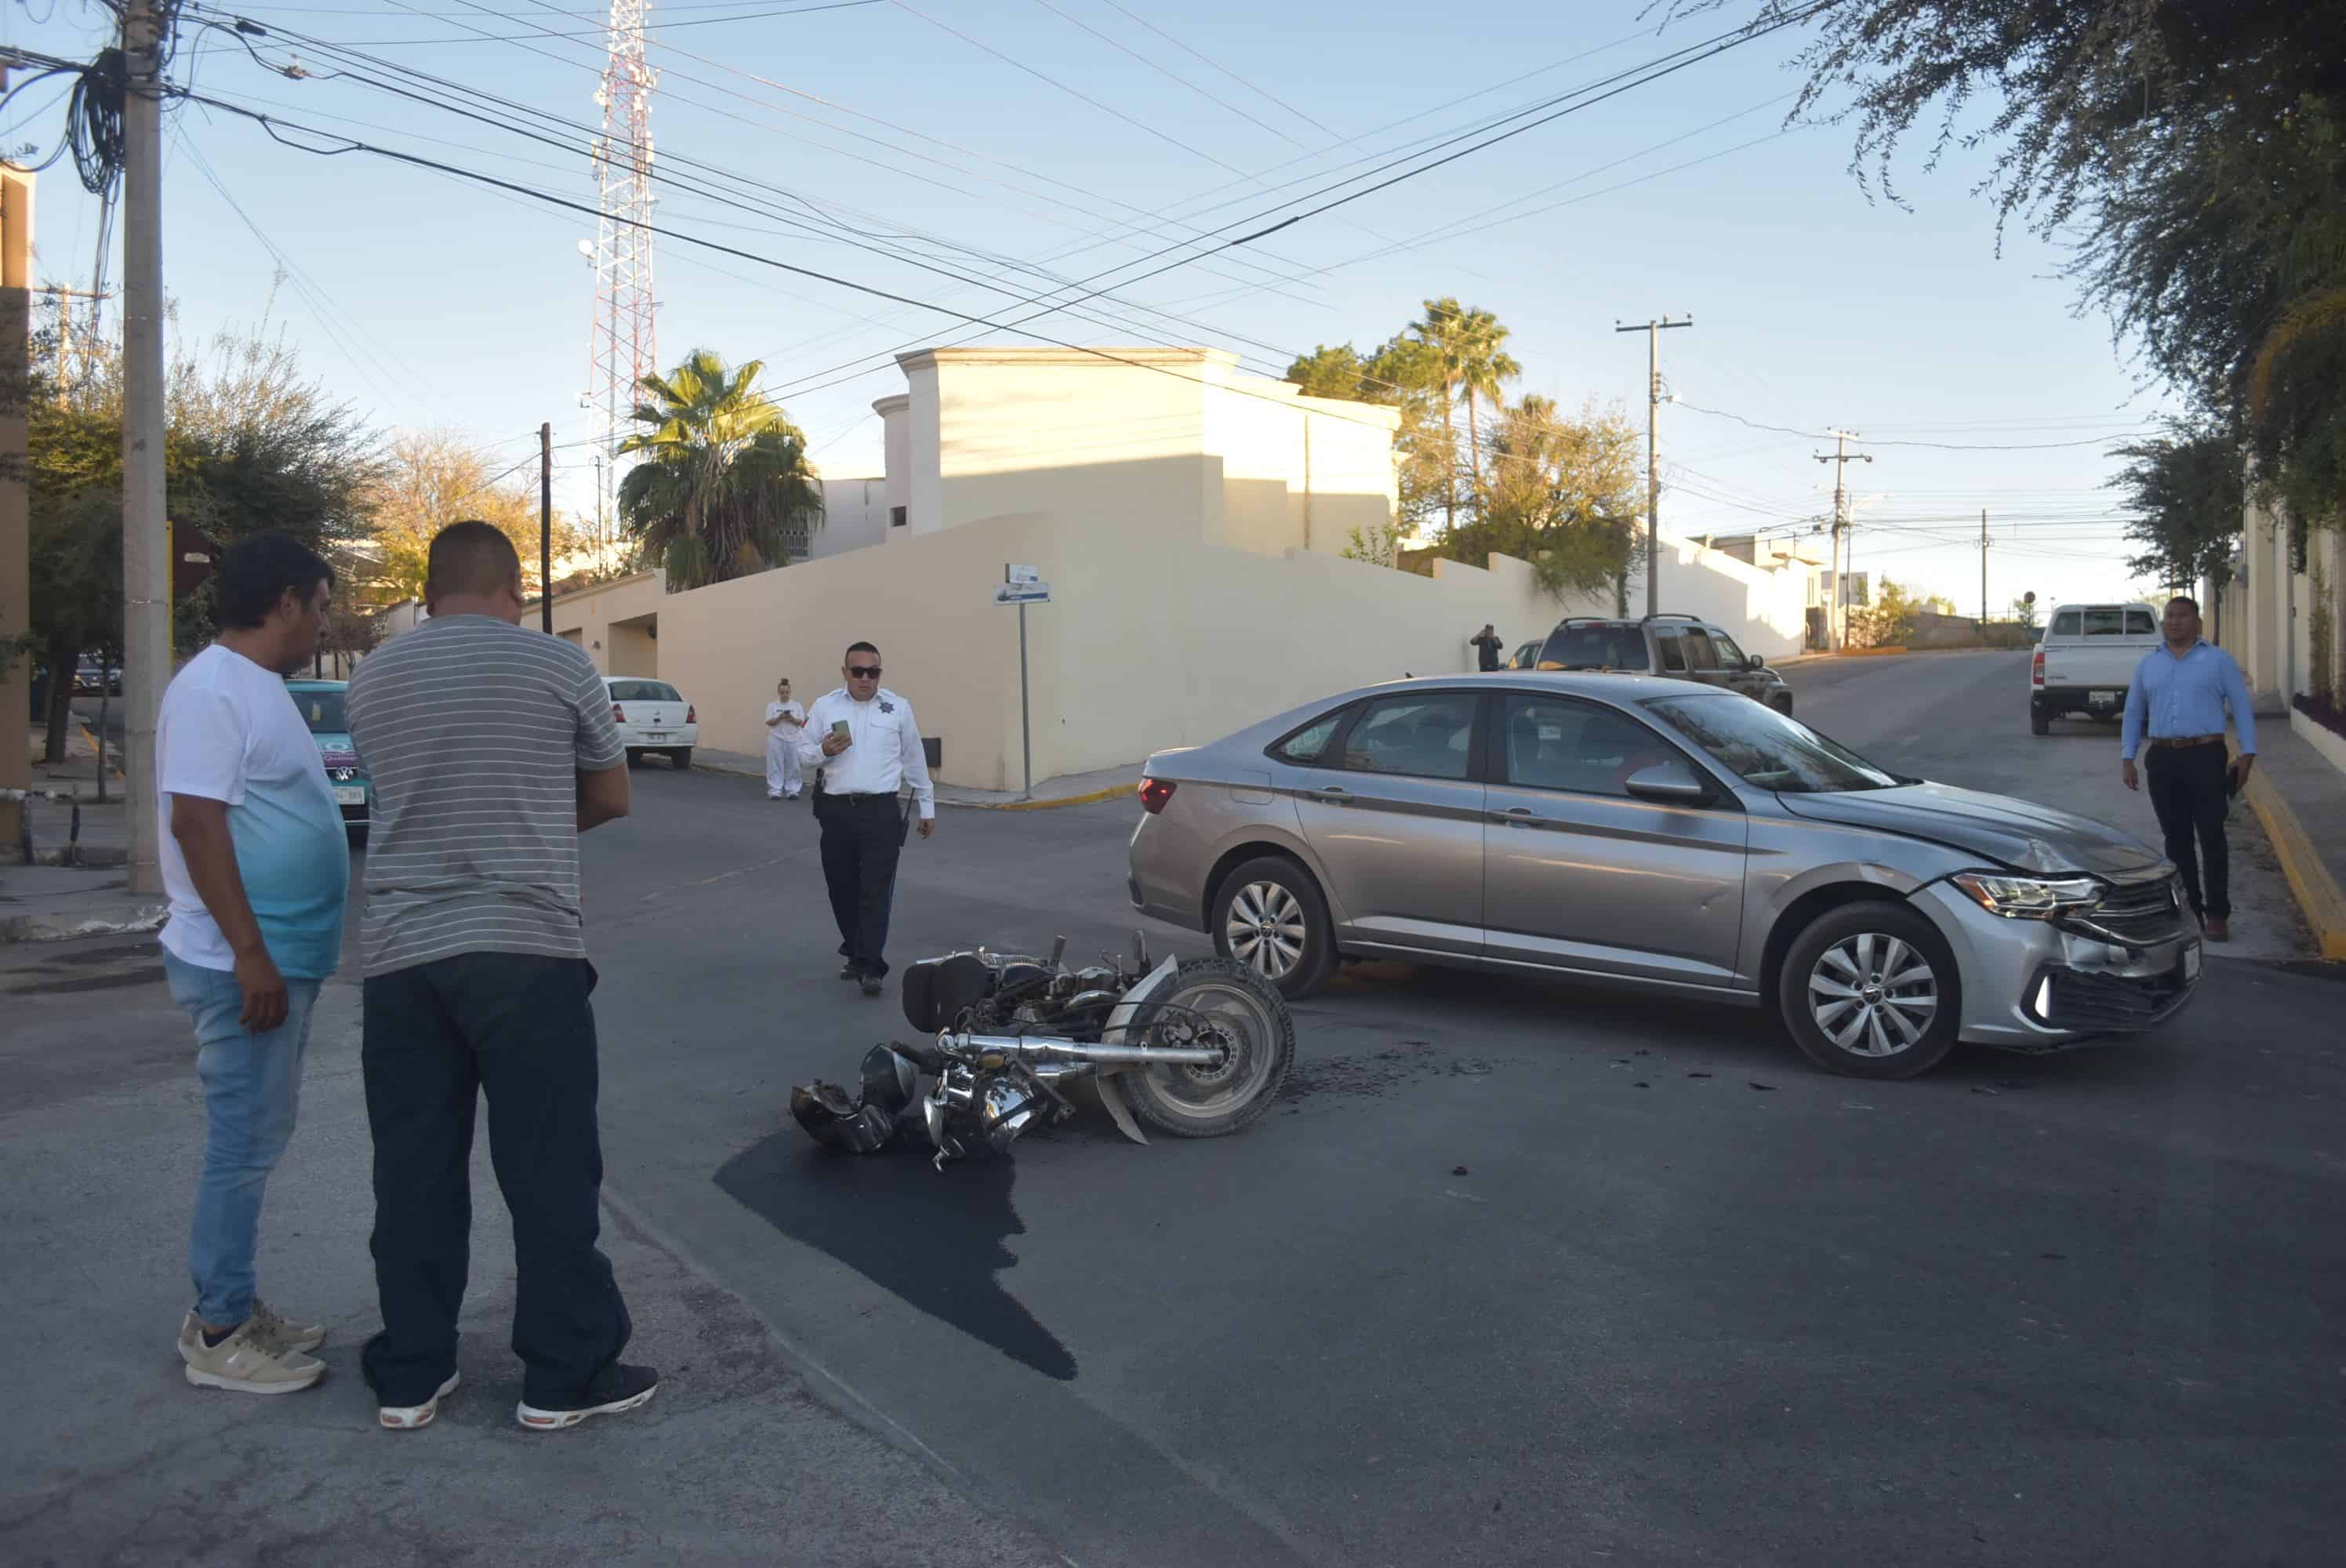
[1112, 1097]
[1119, 1021]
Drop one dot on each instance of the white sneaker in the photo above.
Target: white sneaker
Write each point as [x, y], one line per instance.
[293, 1335]
[248, 1361]
[407, 1417]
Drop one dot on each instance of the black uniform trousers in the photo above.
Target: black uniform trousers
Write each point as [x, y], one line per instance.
[2187, 790]
[862, 838]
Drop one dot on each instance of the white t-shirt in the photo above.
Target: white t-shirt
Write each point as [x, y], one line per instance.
[229, 731]
[791, 716]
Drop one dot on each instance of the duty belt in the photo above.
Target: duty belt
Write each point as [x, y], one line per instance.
[2159, 740]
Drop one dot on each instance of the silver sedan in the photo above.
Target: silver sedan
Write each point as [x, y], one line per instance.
[1638, 833]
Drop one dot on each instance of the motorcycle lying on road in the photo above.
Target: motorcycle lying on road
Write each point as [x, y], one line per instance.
[1195, 1049]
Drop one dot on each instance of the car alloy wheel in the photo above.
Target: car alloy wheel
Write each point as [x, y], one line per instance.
[1873, 994]
[1265, 929]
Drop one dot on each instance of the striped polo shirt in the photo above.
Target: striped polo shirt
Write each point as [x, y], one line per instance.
[474, 731]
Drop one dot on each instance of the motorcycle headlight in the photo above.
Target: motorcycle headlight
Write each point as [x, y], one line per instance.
[1008, 1111]
[2028, 898]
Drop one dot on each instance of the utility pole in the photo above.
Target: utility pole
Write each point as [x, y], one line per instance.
[545, 528]
[1836, 627]
[1982, 573]
[65, 297]
[146, 569]
[1653, 331]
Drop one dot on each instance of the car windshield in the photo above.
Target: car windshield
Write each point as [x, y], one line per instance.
[322, 712]
[1764, 747]
[1596, 648]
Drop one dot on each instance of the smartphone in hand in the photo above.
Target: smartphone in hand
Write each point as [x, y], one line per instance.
[839, 727]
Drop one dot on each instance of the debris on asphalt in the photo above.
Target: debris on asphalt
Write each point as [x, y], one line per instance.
[1698, 1075]
[1764, 1088]
[1855, 1106]
[1985, 1089]
[1457, 1170]
[1641, 1084]
[2053, 1257]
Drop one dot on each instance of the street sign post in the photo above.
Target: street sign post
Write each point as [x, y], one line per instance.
[1021, 586]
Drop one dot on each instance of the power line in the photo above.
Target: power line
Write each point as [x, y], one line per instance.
[1168, 75]
[1935, 445]
[1233, 76]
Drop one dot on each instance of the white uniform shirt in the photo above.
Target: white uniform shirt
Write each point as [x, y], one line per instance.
[886, 752]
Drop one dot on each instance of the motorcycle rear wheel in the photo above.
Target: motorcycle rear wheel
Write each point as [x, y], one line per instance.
[1238, 1005]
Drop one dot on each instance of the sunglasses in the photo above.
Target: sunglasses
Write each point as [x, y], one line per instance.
[864, 671]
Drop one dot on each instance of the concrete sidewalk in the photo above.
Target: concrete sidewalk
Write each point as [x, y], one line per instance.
[746, 1456]
[2300, 799]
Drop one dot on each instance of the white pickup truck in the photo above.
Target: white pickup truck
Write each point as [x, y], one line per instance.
[2086, 660]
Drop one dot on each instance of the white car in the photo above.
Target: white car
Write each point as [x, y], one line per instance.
[653, 715]
[2086, 661]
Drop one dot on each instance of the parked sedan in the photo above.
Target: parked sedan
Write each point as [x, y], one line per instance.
[321, 706]
[1643, 832]
[653, 715]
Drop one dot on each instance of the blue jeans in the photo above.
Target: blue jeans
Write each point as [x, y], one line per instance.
[252, 1086]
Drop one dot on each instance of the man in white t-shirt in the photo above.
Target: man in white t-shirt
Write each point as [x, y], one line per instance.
[258, 869]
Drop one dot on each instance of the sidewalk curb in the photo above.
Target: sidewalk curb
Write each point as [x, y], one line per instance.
[2317, 892]
[1093, 798]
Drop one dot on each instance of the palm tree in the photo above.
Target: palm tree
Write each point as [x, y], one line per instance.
[725, 478]
[1482, 365]
[1438, 330]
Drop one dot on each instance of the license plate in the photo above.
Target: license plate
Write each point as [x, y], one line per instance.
[2191, 963]
[347, 795]
[655, 735]
[2103, 699]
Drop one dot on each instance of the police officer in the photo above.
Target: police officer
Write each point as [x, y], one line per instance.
[864, 744]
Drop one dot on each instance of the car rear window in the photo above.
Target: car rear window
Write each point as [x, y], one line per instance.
[1423, 737]
[321, 711]
[1305, 748]
[2105, 621]
[1596, 648]
[643, 691]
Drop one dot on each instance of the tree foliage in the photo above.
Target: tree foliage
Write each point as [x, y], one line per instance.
[2189, 152]
[1563, 494]
[2188, 490]
[725, 479]
[1893, 615]
[431, 478]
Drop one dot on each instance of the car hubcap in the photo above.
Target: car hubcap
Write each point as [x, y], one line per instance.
[1873, 995]
[1265, 930]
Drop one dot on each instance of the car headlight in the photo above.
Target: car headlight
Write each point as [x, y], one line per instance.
[2028, 898]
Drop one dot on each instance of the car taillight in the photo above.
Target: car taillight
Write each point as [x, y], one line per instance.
[618, 714]
[1154, 793]
[2036, 669]
[691, 714]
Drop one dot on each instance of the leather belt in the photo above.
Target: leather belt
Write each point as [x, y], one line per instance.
[2161, 740]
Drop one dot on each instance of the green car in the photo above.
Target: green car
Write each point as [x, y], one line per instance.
[320, 702]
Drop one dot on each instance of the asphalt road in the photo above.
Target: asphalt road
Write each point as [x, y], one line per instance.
[1516, 1273]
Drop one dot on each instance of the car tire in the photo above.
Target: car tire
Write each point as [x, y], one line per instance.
[635, 757]
[1905, 1001]
[1782, 703]
[2039, 722]
[1268, 916]
[680, 758]
[358, 838]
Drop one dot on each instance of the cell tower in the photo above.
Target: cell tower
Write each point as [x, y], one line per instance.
[626, 346]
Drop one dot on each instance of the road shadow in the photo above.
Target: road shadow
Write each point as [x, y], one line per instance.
[936, 1241]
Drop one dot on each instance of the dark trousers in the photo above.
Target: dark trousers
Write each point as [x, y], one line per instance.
[521, 1029]
[862, 837]
[2187, 790]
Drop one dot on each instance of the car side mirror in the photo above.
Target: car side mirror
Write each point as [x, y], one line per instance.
[1669, 784]
[1756, 662]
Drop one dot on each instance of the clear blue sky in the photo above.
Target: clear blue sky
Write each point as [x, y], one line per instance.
[430, 302]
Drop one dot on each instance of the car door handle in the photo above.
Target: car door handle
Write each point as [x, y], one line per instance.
[1518, 817]
[1333, 793]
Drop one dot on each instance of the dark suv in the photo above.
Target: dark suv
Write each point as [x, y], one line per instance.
[1677, 647]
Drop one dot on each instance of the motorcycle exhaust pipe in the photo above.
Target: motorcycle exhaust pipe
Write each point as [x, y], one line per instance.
[1031, 1046]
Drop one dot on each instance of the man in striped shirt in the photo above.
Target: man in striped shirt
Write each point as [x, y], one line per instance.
[491, 749]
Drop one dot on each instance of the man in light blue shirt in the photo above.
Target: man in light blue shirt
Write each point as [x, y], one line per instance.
[2175, 709]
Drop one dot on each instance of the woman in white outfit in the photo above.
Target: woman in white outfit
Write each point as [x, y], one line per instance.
[784, 719]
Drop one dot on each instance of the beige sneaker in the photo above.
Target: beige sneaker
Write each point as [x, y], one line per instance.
[293, 1335]
[247, 1361]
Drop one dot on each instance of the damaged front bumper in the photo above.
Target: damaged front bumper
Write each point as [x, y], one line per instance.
[2041, 985]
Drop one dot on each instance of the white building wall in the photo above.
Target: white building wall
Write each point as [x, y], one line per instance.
[855, 516]
[897, 450]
